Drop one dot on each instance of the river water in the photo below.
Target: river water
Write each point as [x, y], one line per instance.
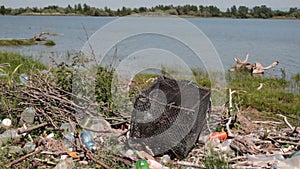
[265, 40]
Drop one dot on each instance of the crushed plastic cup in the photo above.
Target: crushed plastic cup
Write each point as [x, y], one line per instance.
[69, 138]
[28, 114]
[68, 141]
[66, 127]
[24, 78]
[165, 159]
[29, 147]
[11, 134]
[95, 124]
[87, 139]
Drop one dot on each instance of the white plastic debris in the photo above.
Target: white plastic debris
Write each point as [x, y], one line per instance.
[6, 123]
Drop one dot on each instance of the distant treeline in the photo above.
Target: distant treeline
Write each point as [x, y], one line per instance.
[187, 10]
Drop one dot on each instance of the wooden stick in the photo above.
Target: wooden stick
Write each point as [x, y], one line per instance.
[32, 128]
[189, 164]
[37, 151]
[286, 122]
[228, 128]
[230, 98]
[267, 122]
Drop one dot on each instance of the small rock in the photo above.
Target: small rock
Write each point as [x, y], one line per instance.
[65, 164]
[83, 162]
[14, 149]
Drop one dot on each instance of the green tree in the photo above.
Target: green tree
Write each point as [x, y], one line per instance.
[233, 11]
[35, 9]
[243, 12]
[2, 10]
[79, 8]
[69, 9]
[142, 9]
[294, 12]
[86, 8]
[214, 11]
[262, 12]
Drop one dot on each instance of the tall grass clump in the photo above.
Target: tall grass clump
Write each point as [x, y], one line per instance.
[272, 97]
[49, 43]
[17, 42]
[17, 64]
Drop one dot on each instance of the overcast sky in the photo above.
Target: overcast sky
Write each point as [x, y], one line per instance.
[114, 4]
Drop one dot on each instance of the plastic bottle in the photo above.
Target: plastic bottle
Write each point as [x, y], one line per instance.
[220, 135]
[87, 139]
[141, 164]
[69, 138]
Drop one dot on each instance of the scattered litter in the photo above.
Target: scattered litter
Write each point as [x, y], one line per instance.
[27, 116]
[24, 78]
[6, 123]
[220, 135]
[141, 164]
[87, 139]
[29, 147]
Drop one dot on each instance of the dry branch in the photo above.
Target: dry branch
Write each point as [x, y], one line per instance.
[286, 122]
[32, 128]
[37, 151]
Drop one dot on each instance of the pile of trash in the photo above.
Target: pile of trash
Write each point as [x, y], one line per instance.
[50, 130]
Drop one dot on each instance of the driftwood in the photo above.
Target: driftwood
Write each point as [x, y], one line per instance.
[41, 36]
[255, 68]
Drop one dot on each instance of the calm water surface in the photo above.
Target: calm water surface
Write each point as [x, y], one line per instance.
[265, 40]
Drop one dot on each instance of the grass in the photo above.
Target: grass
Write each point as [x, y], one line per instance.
[29, 65]
[273, 97]
[49, 43]
[24, 42]
[17, 42]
